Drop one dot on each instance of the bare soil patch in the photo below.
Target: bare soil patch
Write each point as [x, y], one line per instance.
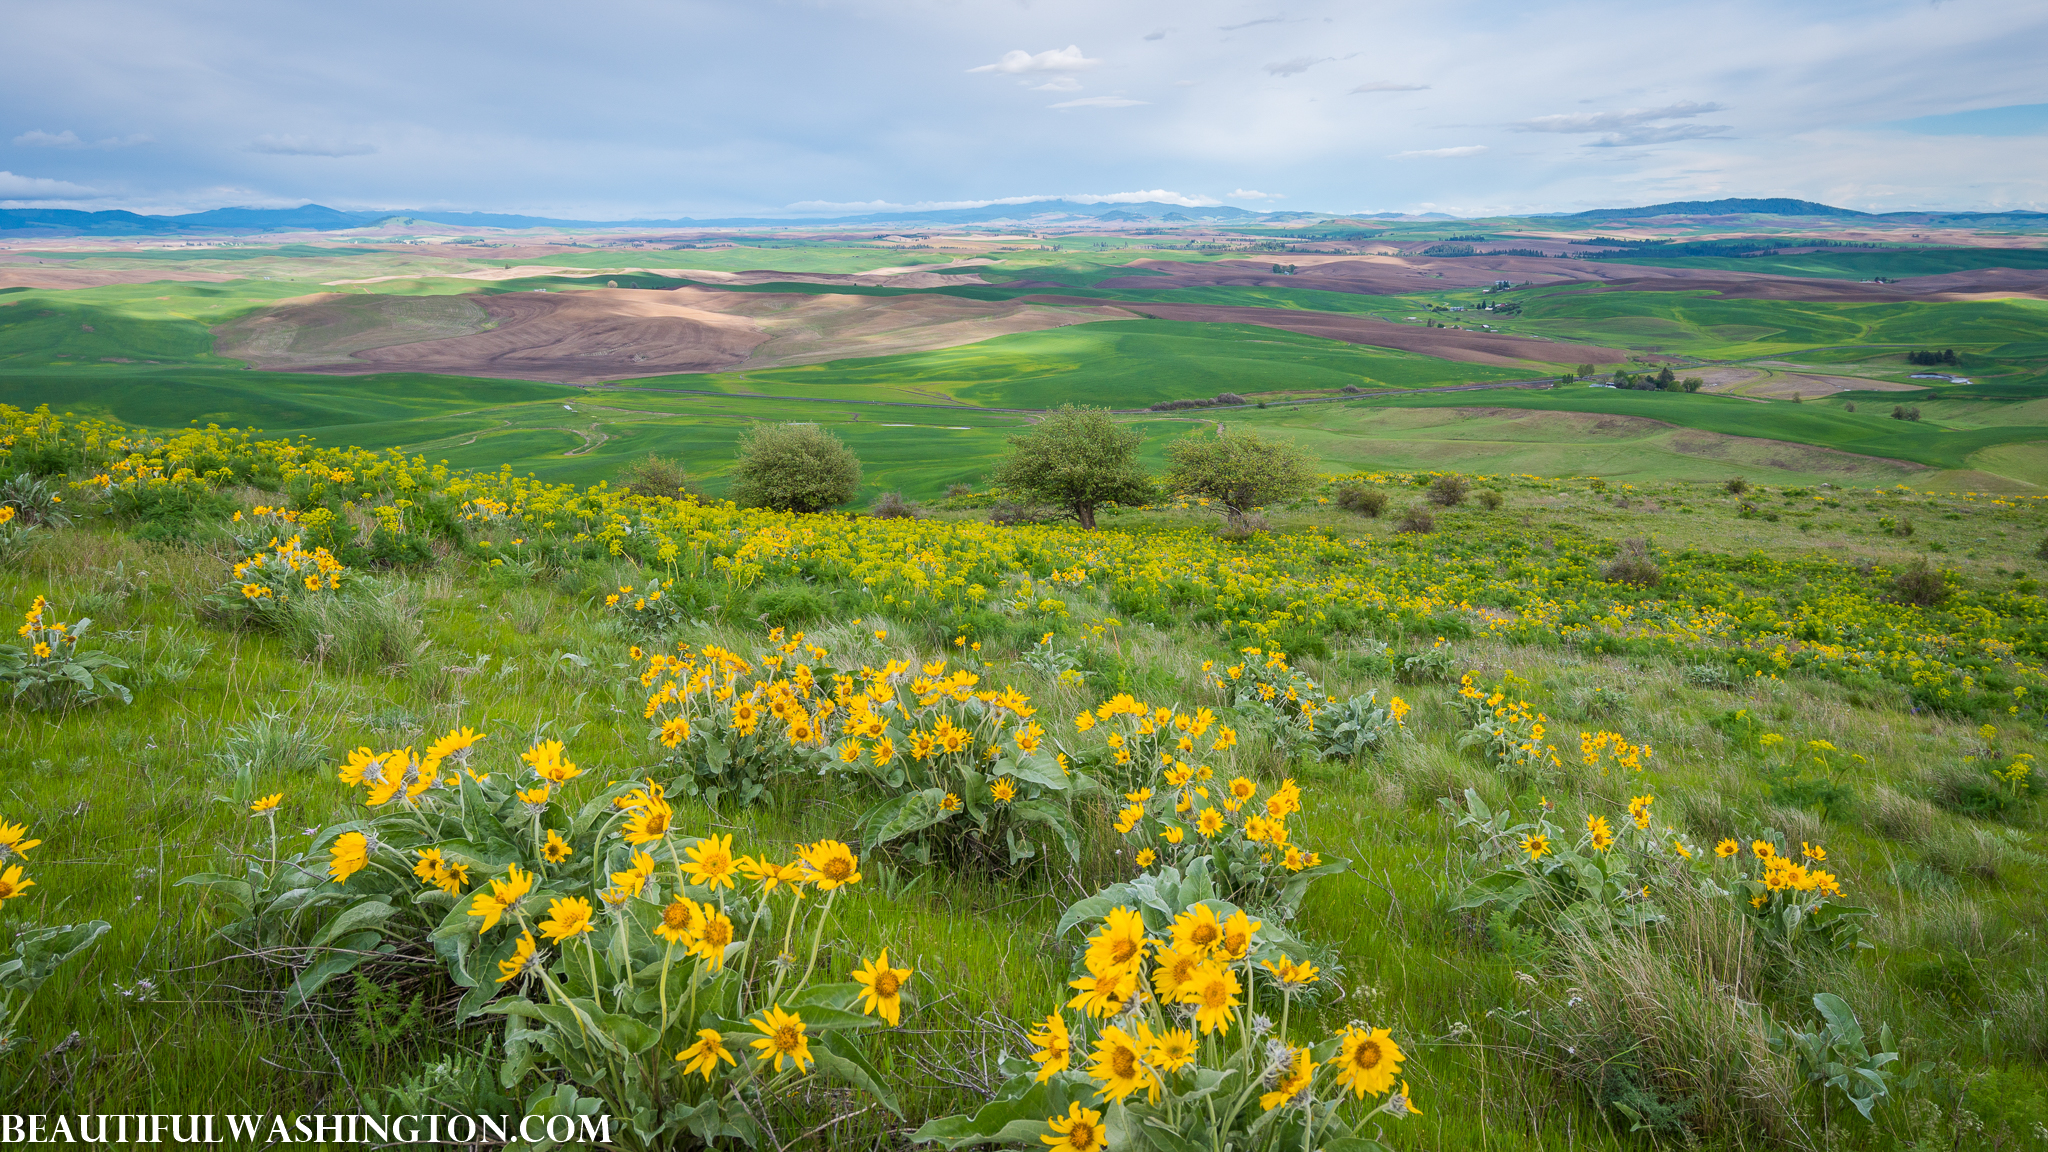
[615, 333]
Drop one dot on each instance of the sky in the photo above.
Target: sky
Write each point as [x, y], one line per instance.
[617, 109]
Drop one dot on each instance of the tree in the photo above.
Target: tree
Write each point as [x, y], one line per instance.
[1238, 472]
[654, 475]
[793, 468]
[1077, 459]
[1585, 370]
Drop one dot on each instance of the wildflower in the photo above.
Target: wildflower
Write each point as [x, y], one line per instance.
[1120, 944]
[13, 883]
[1119, 1063]
[1173, 833]
[1762, 849]
[829, 864]
[710, 863]
[1213, 990]
[1292, 973]
[633, 881]
[1003, 789]
[453, 746]
[547, 762]
[363, 766]
[650, 823]
[351, 854]
[1172, 1049]
[554, 849]
[535, 799]
[1128, 818]
[1147, 857]
[674, 731]
[1197, 928]
[949, 803]
[1368, 1060]
[1536, 846]
[1403, 1104]
[1726, 848]
[1106, 994]
[504, 896]
[1602, 833]
[13, 840]
[715, 939]
[1639, 810]
[682, 921]
[882, 988]
[516, 965]
[704, 1055]
[264, 805]
[1080, 1130]
[1812, 851]
[1293, 1082]
[1237, 935]
[566, 918]
[1679, 847]
[782, 1037]
[1209, 823]
[1055, 1047]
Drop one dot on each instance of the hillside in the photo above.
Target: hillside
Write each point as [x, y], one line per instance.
[1846, 679]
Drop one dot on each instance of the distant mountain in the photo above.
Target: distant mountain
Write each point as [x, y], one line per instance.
[1775, 206]
[57, 222]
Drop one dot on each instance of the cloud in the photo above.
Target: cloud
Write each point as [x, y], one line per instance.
[2008, 120]
[1386, 86]
[306, 146]
[1253, 23]
[1058, 84]
[1159, 35]
[1150, 196]
[1297, 65]
[14, 187]
[37, 138]
[1099, 102]
[1248, 194]
[1630, 127]
[1068, 59]
[1440, 153]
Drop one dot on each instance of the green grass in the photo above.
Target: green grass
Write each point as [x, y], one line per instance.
[1859, 264]
[125, 801]
[1117, 363]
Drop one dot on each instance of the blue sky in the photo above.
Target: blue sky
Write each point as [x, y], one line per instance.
[619, 108]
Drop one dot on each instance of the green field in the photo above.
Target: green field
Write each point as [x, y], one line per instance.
[1855, 264]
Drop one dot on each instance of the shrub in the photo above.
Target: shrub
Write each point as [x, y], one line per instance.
[1449, 490]
[1077, 459]
[1417, 519]
[35, 501]
[1491, 500]
[1921, 584]
[793, 468]
[1238, 472]
[655, 476]
[957, 490]
[1370, 502]
[892, 506]
[1635, 564]
[1735, 485]
[1350, 728]
[1009, 515]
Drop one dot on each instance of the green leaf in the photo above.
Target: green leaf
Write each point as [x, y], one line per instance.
[838, 1056]
[368, 914]
[352, 951]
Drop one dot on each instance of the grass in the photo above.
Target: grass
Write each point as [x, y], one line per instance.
[1852, 264]
[124, 799]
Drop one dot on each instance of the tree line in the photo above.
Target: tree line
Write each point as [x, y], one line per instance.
[1071, 464]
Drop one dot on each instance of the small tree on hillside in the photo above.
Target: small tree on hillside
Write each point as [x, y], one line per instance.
[793, 468]
[1077, 459]
[1238, 472]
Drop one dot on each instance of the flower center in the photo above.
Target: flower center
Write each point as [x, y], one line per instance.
[1081, 1135]
[1123, 1063]
[837, 869]
[657, 822]
[786, 1039]
[886, 984]
[718, 933]
[1214, 994]
[675, 916]
[1205, 934]
[1123, 950]
[1368, 1054]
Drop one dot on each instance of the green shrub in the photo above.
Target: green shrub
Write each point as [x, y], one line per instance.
[793, 468]
[1364, 500]
[654, 475]
[1417, 519]
[1449, 490]
[1635, 563]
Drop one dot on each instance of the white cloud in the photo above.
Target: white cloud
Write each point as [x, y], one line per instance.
[14, 187]
[1298, 65]
[1159, 35]
[1386, 86]
[1150, 196]
[1099, 102]
[1440, 153]
[37, 138]
[1630, 127]
[1068, 59]
[307, 146]
[1248, 194]
[1058, 84]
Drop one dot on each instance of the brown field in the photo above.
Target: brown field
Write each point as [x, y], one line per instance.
[614, 333]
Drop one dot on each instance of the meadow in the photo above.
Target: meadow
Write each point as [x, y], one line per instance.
[1776, 675]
